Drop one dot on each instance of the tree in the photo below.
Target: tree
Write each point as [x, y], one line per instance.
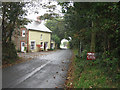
[58, 29]
[50, 11]
[75, 16]
[98, 29]
[56, 39]
[12, 18]
[82, 23]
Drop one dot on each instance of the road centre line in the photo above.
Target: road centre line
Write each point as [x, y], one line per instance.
[28, 75]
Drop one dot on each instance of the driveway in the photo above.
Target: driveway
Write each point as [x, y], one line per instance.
[45, 71]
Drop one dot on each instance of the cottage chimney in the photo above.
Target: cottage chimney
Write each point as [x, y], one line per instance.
[38, 19]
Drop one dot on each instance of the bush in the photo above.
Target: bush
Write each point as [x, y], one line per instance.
[84, 54]
[9, 52]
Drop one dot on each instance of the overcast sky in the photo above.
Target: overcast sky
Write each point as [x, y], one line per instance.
[37, 7]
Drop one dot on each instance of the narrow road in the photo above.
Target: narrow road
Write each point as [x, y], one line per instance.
[46, 71]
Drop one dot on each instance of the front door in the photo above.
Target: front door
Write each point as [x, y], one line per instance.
[45, 45]
[22, 46]
[52, 46]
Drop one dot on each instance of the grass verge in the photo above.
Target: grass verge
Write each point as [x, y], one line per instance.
[86, 74]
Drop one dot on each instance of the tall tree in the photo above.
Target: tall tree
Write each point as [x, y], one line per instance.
[12, 18]
[87, 24]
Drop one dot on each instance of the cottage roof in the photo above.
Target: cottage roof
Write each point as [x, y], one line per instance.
[37, 26]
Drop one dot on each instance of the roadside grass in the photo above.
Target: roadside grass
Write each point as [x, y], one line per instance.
[92, 78]
[89, 75]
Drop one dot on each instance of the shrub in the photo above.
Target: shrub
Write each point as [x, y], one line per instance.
[9, 52]
[50, 49]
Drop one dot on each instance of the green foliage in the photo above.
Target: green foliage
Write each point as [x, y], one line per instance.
[9, 53]
[56, 38]
[102, 34]
[92, 78]
[12, 19]
[49, 16]
[58, 29]
[50, 49]
[25, 48]
[65, 43]
[99, 73]
[97, 27]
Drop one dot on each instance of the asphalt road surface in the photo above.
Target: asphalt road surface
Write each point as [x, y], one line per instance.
[46, 71]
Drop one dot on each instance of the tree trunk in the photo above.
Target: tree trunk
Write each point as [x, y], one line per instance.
[79, 48]
[3, 27]
[11, 31]
[93, 34]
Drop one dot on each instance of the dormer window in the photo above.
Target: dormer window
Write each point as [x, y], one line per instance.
[23, 33]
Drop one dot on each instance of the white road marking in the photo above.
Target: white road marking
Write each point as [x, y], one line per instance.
[28, 75]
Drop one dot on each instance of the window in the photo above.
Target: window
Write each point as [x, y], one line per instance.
[32, 44]
[23, 44]
[41, 37]
[41, 44]
[23, 33]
